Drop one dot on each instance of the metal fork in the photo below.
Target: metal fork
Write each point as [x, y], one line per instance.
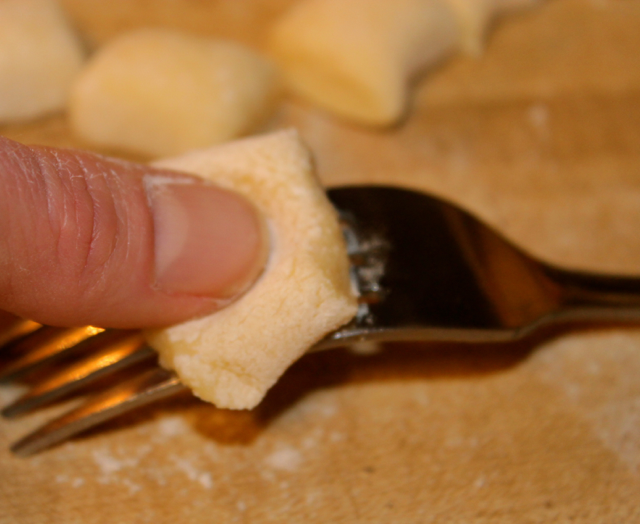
[425, 270]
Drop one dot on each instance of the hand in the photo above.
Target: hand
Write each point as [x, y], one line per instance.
[86, 239]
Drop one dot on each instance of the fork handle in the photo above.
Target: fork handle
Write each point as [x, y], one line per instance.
[601, 296]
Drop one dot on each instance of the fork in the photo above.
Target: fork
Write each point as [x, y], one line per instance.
[425, 270]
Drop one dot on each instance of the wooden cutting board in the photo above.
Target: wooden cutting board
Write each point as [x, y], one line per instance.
[541, 138]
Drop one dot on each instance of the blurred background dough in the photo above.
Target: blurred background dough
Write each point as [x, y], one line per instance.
[40, 55]
[161, 92]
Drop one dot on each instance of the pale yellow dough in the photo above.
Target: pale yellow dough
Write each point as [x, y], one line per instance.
[231, 358]
[356, 58]
[160, 92]
[39, 59]
[476, 16]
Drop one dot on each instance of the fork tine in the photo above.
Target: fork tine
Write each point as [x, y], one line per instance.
[138, 391]
[45, 345]
[117, 355]
[17, 328]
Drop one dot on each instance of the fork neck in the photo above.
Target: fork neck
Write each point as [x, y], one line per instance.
[595, 296]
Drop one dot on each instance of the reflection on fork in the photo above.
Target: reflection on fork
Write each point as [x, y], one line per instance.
[73, 359]
[425, 270]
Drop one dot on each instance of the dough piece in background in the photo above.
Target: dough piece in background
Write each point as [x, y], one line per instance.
[232, 357]
[475, 17]
[355, 58]
[40, 56]
[159, 92]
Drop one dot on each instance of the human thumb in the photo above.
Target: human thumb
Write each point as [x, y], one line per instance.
[86, 239]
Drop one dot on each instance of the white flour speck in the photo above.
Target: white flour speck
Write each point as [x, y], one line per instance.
[539, 119]
[267, 475]
[110, 466]
[285, 458]
[205, 480]
[309, 442]
[133, 487]
[77, 482]
[107, 463]
[202, 477]
[172, 427]
[336, 436]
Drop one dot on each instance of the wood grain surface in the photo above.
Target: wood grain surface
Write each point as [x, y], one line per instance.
[541, 138]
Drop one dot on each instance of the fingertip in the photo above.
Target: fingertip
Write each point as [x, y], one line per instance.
[208, 241]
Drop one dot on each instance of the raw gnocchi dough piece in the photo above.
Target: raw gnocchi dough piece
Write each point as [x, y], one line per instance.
[232, 357]
[159, 92]
[476, 16]
[39, 59]
[355, 58]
